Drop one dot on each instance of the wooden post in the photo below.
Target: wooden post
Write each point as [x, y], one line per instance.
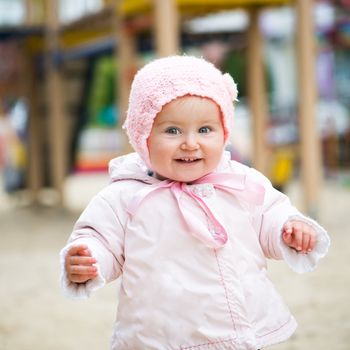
[257, 91]
[126, 59]
[167, 31]
[311, 167]
[29, 13]
[35, 138]
[57, 122]
[125, 55]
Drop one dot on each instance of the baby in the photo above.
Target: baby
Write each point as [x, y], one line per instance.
[187, 229]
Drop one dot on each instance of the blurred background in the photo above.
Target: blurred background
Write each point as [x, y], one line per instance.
[65, 74]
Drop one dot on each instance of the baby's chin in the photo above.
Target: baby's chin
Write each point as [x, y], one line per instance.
[179, 178]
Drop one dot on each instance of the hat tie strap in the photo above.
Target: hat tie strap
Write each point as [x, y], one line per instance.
[215, 237]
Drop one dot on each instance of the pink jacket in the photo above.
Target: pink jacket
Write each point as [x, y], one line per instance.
[192, 259]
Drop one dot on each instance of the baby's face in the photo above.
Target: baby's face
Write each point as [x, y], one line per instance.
[187, 139]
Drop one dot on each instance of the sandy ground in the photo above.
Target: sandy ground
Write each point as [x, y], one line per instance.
[35, 315]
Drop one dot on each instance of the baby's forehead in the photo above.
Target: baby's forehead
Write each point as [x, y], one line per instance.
[187, 108]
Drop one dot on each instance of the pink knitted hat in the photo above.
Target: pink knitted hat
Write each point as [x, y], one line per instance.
[165, 79]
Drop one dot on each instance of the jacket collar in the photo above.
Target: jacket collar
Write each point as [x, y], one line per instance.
[132, 167]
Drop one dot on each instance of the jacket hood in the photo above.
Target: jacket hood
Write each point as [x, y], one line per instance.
[132, 167]
[129, 167]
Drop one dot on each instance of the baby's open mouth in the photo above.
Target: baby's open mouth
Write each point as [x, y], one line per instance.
[188, 160]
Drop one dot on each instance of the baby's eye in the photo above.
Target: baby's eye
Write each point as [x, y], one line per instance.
[173, 131]
[204, 129]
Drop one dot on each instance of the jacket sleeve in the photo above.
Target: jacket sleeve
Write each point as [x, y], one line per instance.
[100, 229]
[269, 220]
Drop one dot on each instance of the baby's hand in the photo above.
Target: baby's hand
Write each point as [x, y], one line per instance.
[299, 236]
[80, 264]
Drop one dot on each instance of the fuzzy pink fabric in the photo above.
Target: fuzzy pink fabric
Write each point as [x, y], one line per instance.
[165, 79]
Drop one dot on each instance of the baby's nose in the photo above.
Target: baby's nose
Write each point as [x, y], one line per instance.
[190, 142]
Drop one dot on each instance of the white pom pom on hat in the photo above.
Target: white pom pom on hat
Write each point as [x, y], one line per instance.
[166, 79]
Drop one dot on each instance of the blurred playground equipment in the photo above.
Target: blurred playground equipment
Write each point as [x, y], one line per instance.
[78, 68]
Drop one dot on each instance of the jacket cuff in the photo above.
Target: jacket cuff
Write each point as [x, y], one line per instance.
[300, 262]
[78, 290]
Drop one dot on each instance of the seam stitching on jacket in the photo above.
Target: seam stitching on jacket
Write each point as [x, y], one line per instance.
[225, 288]
[205, 344]
[275, 330]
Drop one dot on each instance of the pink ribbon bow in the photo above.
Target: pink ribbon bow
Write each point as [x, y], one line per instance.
[239, 185]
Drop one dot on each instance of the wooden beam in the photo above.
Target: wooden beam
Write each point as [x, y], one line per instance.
[167, 31]
[28, 11]
[257, 91]
[57, 121]
[34, 12]
[35, 179]
[131, 8]
[127, 53]
[125, 56]
[311, 166]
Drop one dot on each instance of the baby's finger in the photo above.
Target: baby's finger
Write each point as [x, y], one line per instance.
[82, 260]
[81, 278]
[82, 270]
[287, 237]
[298, 236]
[305, 241]
[84, 252]
[287, 227]
[75, 249]
[312, 242]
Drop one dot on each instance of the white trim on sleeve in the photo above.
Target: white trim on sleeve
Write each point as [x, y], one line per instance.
[78, 290]
[300, 262]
